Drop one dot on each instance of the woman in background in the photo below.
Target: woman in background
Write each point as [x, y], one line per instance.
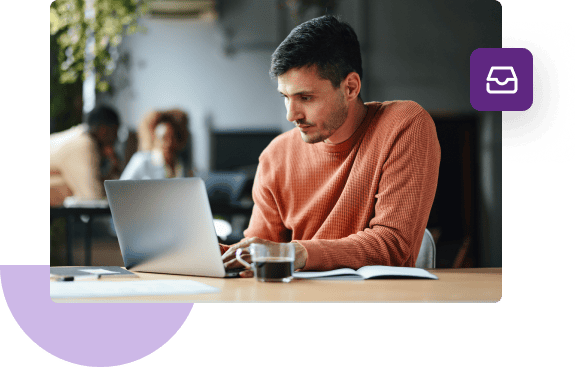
[162, 137]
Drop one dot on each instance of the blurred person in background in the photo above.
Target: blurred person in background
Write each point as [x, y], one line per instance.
[76, 155]
[162, 136]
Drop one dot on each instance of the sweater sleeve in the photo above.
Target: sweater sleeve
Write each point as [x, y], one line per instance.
[405, 194]
[265, 221]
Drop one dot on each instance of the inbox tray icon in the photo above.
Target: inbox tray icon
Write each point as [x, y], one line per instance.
[509, 83]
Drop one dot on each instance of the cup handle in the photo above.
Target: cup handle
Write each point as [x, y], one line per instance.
[241, 261]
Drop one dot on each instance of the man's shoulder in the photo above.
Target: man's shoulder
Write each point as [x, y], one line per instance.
[398, 114]
[399, 108]
[279, 154]
[282, 144]
[77, 138]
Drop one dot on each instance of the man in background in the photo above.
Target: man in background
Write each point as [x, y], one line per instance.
[76, 155]
[354, 182]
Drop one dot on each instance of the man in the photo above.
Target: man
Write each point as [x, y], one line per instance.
[76, 153]
[353, 184]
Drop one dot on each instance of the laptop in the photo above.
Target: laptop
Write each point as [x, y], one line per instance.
[166, 226]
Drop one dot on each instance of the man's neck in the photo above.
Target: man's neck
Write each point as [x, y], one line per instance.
[356, 115]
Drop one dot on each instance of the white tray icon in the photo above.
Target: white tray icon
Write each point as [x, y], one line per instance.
[513, 80]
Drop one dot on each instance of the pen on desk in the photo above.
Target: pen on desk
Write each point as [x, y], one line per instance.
[71, 278]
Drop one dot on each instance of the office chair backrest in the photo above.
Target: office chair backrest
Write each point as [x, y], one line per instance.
[427, 255]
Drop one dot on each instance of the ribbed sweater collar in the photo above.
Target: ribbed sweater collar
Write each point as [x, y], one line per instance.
[347, 145]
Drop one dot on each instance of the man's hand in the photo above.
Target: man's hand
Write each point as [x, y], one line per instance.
[230, 262]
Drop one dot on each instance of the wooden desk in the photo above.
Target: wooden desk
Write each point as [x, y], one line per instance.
[453, 285]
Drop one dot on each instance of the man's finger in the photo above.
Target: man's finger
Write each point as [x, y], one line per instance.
[234, 263]
[247, 274]
[231, 252]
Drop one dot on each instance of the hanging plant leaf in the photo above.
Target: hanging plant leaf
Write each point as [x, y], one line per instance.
[86, 35]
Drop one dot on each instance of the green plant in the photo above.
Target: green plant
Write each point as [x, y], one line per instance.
[88, 32]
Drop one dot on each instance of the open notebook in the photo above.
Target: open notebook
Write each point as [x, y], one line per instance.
[366, 272]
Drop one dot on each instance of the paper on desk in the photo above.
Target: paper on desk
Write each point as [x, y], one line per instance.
[98, 271]
[74, 202]
[128, 288]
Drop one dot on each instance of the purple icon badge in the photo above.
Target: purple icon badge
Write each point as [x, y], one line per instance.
[501, 79]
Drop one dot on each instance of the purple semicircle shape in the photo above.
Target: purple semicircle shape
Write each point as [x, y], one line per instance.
[94, 334]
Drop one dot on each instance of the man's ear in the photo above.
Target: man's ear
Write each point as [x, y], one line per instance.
[352, 85]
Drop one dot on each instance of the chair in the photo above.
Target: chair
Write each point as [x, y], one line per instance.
[427, 255]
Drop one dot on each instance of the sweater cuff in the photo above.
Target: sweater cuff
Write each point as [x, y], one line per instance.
[314, 260]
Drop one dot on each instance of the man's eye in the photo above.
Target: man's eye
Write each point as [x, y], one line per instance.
[306, 98]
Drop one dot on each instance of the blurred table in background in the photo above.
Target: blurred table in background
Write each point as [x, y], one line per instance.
[74, 215]
[84, 216]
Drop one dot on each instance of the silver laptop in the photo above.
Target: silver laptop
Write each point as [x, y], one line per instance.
[166, 226]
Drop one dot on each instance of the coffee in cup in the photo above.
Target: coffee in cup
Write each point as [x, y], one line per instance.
[271, 262]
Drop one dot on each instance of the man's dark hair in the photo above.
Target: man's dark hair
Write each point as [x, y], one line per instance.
[326, 42]
[102, 115]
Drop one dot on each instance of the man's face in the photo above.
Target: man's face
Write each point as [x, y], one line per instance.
[107, 134]
[312, 104]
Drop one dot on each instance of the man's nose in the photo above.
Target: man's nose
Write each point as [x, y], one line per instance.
[293, 112]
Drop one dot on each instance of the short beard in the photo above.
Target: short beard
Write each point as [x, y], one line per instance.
[333, 123]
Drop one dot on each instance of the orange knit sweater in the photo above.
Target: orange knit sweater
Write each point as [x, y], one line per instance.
[365, 201]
